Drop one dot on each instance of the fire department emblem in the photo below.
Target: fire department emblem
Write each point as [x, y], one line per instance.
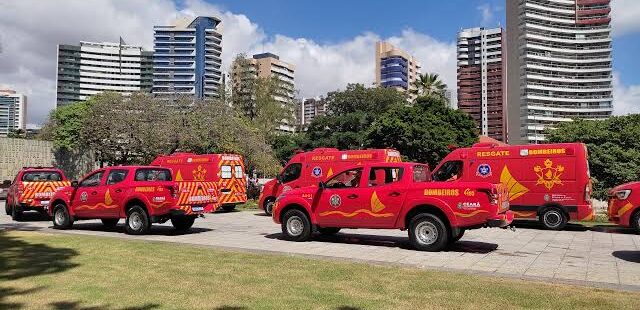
[484, 171]
[84, 196]
[335, 201]
[199, 173]
[549, 175]
[316, 172]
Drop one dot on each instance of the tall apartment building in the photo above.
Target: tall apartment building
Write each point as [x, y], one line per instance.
[266, 65]
[395, 67]
[309, 109]
[559, 55]
[13, 111]
[187, 58]
[90, 68]
[481, 79]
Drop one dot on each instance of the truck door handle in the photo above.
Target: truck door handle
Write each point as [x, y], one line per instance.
[94, 193]
[352, 196]
[118, 190]
[394, 194]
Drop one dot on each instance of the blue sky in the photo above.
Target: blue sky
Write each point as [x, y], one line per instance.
[331, 21]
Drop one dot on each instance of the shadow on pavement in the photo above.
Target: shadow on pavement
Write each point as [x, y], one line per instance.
[34, 216]
[395, 242]
[536, 225]
[20, 259]
[76, 305]
[630, 256]
[262, 214]
[156, 230]
[614, 229]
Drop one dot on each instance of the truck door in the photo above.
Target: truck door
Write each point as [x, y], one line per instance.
[115, 190]
[88, 200]
[385, 194]
[342, 200]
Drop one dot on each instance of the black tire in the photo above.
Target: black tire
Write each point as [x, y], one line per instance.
[110, 223]
[61, 217]
[456, 235]
[7, 209]
[296, 226]
[137, 221]
[553, 219]
[328, 230]
[228, 208]
[427, 232]
[16, 213]
[268, 206]
[635, 221]
[182, 223]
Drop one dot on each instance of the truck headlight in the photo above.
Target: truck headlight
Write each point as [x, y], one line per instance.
[623, 194]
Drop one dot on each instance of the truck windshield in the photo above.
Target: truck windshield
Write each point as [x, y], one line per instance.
[450, 171]
[41, 176]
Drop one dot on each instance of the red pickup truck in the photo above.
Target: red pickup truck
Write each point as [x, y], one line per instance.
[140, 194]
[32, 190]
[393, 196]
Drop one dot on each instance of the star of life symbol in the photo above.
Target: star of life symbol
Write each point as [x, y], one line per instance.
[484, 171]
[317, 172]
[549, 176]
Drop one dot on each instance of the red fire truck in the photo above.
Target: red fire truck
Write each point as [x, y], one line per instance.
[392, 196]
[225, 171]
[32, 189]
[308, 168]
[547, 182]
[140, 194]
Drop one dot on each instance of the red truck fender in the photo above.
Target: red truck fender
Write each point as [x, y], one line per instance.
[295, 200]
[412, 204]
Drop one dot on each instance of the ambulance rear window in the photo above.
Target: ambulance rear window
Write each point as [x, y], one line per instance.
[153, 174]
[238, 171]
[225, 172]
[41, 176]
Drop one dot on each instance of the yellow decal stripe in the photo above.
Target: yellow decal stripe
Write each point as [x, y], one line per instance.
[474, 213]
[352, 214]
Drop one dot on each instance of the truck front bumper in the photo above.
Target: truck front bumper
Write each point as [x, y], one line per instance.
[501, 220]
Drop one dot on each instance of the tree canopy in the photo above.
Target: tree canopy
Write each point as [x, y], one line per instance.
[613, 145]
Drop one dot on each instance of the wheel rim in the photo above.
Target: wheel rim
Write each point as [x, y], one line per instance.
[552, 218]
[269, 207]
[135, 221]
[426, 233]
[295, 226]
[59, 216]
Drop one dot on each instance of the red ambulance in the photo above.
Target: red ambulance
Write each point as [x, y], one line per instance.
[225, 172]
[547, 182]
[308, 168]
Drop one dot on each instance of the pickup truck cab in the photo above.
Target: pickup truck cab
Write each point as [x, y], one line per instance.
[140, 194]
[624, 205]
[32, 189]
[393, 196]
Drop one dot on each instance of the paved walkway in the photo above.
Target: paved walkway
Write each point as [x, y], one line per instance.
[580, 256]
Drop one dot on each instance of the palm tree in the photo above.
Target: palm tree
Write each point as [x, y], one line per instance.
[428, 85]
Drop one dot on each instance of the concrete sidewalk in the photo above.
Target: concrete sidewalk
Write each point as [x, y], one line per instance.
[579, 256]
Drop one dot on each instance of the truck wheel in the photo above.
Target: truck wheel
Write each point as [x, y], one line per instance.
[296, 226]
[7, 209]
[553, 219]
[61, 217]
[428, 233]
[268, 206]
[110, 223]
[182, 223]
[137, 222]
[457, 236]
[328, 230]
[16, 213]
[228, 208]
[635, 221]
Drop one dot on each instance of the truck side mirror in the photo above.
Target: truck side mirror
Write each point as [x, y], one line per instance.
[6, 182]
[279, 178]
[75, 184]
[322, 185]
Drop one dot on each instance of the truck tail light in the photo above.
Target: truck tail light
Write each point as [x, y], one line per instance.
[587, 192]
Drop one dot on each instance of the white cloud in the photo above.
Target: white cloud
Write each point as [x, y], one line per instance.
[625, 17]
[488, 13]
[626, 99]
[30, 31]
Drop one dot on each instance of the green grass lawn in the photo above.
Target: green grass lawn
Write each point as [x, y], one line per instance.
[59, 271]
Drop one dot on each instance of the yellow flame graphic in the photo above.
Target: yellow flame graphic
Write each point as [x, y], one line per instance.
[376, 204]
[178, 176]
[107, 198]
[513, 186]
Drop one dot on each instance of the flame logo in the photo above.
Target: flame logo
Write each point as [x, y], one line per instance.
[549, 175]
[107, 198]
[199, 173]
[513, 186]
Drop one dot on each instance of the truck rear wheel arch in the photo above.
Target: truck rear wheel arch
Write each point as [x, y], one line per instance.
[634, 219]
[426, 209]
[135, 202]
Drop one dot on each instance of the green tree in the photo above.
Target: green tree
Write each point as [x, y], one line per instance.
[350, 113]
[613, 145]
[423, 132]
[64, 125]
[429, 85]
